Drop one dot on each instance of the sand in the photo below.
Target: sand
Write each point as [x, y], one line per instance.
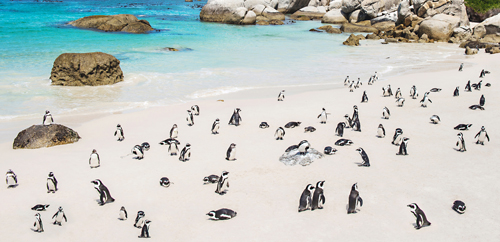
[263, 191]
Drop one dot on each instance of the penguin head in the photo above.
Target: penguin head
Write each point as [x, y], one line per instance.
[310, 187]
[206, 179]
[233, 145]
[211, 214]
[140, 213]
[320, 184]
[147, 221]
[482, 128]
[406, 139]
[282, 90]
[94, 151]
[217, 120]
[51, 174]
[225, 174]
[122, 209]
[460, 134]
[380, 126]
[174, 126]
[354, 187]
[37, 215]
[145, 146]
[118, 125]
[10, 171]
[323, 109]
[96, 182]
[60, 209]
[412, 206]
[359, 150]
[46, 205]
[47, 111]
[468, 125]
[188, 145]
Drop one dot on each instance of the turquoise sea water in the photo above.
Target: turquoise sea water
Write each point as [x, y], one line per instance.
[215, 58]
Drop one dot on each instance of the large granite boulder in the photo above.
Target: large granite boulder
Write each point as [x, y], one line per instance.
[429, 8]
[114, 23]
[348, 6]
[440, 27]
[240, 11]
[86, 69]
[291, 6]
[334, 16]
[372, 8]
[310, 12]
[356, 28]
[335, 4]
[404, 11]
[489, 26]
[38, 136]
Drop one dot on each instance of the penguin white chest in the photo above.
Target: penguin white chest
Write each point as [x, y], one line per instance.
[94, 160]
[59, 217]
[51, 185]
[122, 215]
[380, 132]
[10, 180]
[232, 154]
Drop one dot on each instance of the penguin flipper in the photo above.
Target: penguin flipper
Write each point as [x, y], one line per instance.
[65, 219]
[360, 201]
[55, 214]
[488, 137]
[322, 199]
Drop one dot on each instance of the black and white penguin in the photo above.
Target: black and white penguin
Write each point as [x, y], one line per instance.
[456, 93]
[467, 87]
[364, 98]
[119, 132]
[400, 101]
[174, 132]
[482, 74]
[356, 125]
[139, 219]
[461, 142]
[104, 195]
[51, 183]
[413, 92]
[38, 223]
[346, 81]
[389, 90]
[123, 214]
[461, 67]
[482, 136]
[222, 214]
[185, 153]
[145, 229]
[358, 83]
[303, 147]
[195, 109]
[11, 179]
[59, 216]
[292, 124]
[309, 129]
[462, 127]
[231, 152]
[220, 183]
[164, 182]
[305, 198]
[210, 179]
[386, 113]
[343, 142]
[291, 147]
[381, 131]
[398, 136]
[477, 86]
[173, 146]
[482, 100]
[370, 80]
[280, 133]
[403, 146]
[235, 118]
[215, 126]
[425, 100]
[47, 118]
[352, 86]
[355, 114]
[94, 160]
[398, 94]
[339, 131]
[459, 207]
[348, 120]
[435, 89]
[330, 150]
[354, 200]
[40, 207]
[281, 96]
[263, 125]
[323, 116]
[375, 77]
[190, 118]
[435, 119]
[420, 215]
[138, 150]
[318, 198]
[364, 156]
[474, 107]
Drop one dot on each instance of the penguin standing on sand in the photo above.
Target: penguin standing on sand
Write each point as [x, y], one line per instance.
[318, 198]
[185, 153]
[231, 152]
[400, 101]
[413, 92]
[482, 136]
[386, 113]
[11, 179]
[173, 146]
[381, 131]
[364, 98]
[220, 183]
[354, 199]
[398, 136]
[139, 150]
[104, 195]
[477, 86]
[425, 100]
[190, 118]
[389, 90]
[346, 81]
[139, 219]
[461, 142]
[459, 207]
[419, 215]
[38, 223]
[482, 100]
[59, 216]
[215, 126]
[348, 120]
[47, 118]
[339, 131]
[280, 132]
[364, 156]
[195, 109]
[94, 160]
[145, 230]
[174, 132]
[356, 125]
[51, 183]
[235, 118]
[351, 87]
[119, 132]
[305, 198]
[456, 93]
[403, 146]
[123, 214]
[355, 114]
[467, 87]
[398, 94]
[281, 96]
[323, 116]
[461, 67]
[435, 119]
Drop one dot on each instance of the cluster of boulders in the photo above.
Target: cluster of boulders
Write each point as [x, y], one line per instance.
[114, 23]
[242, 12]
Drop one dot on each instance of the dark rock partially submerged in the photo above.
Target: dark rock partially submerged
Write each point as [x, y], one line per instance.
[114, 23]
[38, 136]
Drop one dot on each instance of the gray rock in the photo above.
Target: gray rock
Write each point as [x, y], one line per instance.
[348, 6]
[291, 6]
[440, 27]
[489, 26]
[114, 23]
[356, 16]
[431, 8]
[38, 136]
[469, 51]
[404, 11]
[372, 8]
[334, 16]
[235, 11]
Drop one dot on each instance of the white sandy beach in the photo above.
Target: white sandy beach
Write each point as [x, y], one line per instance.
[263, 191]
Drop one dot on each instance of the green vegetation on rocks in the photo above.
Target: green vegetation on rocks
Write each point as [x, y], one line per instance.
[482, 6]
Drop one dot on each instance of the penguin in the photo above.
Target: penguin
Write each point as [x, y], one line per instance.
[348, 120]
[354, 199]
[47, 118]
[462, 127]
[11, 179]
[318, 198]
[185, 153]
[461, 142]
[355, 114]
[38, 223]
[389, 90]
[51, 183]
[381, 131]
[139, 219]
[435, 89]
[375, 76]
[487, 84]
[474, 107]
[231, 152]
[467, 87]
[164, 182]
[292, 124]
[419, 215]
[235, 118]
[435, 119]
[215, 127]
[123, 214]
[413, 92]
[370, 80]
[222, 214]
[292, 147]
[119, 132]
[346, 81]
[482, 74]
[59, 216]
[477, 86]
[386, 113]
[356, 125]
[384, 92]
[280, 132]
[323, 116]
[343, 142]
[364, 156]
[403, 146]
[174, 132]
[482, 136]
[401, 102]
[40, 207]
[398, 94]
[220, 183]
[330, 150]
[461, 67]
[351, 87]
[425, 100]
[482, 100]
[263, 125]
[173, 146]
[358, 83]
[303, 147]
[398, 136]
[190, 118]
[459, 207]
[195, 109]
[339, 131]
[138, 151]
[456, 93]
[305, 198]
[210, 179]
[281, 96]
[104, 195]
[94, 160]
[364, 98]
[145, 229]
[309, 129]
